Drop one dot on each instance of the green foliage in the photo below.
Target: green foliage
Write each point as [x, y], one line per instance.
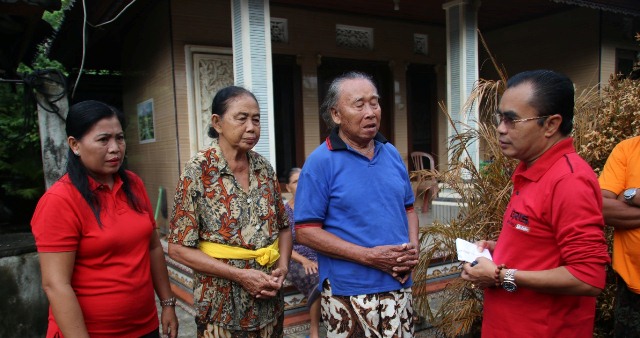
[21, 171]
[55, 18]
[41, 61]
[21, 174]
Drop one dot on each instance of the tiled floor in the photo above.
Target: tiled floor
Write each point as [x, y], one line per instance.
[187, 328]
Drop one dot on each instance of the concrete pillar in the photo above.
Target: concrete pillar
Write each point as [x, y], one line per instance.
[462, 67]
[51, 120]
[251, 33]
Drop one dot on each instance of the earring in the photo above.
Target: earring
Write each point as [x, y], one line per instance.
[77, 153]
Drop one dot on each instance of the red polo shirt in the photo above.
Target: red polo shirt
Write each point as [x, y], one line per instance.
[553, 219]
[111, 275]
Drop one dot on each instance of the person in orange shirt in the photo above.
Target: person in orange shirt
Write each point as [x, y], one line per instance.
[619, 182]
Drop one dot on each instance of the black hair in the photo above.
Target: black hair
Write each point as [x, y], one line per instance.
[81, 118]
[553, 93]
[220, 103]
[333, 94]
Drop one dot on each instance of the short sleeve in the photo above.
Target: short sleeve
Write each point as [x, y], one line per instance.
[183, 227]
[312, 198]
[614, 173]
[409, 198]
[55, 224]
[283, 217]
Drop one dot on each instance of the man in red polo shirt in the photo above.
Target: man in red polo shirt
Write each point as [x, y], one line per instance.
[549, 260]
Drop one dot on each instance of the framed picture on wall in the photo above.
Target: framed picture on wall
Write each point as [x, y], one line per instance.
[146, 122]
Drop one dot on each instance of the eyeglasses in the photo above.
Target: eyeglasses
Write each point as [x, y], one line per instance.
[511, 122]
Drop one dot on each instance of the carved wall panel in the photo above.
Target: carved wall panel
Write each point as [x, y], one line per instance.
[279, 30]
[354, 37]
[421, 44]
[210, 72]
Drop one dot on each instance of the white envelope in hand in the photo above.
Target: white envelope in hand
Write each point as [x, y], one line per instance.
[468, 252]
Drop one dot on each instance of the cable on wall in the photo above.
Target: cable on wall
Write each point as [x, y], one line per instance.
[84, 40]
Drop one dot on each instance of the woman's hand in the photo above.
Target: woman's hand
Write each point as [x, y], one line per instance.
[279, 275]
[169, 322]
[310, 267]
[259, 284]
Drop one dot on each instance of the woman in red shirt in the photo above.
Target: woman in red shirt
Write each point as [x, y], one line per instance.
[100, 255]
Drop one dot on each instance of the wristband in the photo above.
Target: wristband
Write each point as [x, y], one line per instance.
[497, 276]
[168, 302]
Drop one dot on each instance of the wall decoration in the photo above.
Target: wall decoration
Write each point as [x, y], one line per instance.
[421, 44]
[146, 122]
[354, 37]
[279, 30]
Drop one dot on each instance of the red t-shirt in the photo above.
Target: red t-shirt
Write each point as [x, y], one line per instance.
[112, 274]
[553, 219]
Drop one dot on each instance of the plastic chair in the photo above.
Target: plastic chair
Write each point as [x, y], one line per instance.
[417, 158]
[427, 188]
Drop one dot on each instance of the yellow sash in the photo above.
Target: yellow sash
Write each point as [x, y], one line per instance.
[264, 256]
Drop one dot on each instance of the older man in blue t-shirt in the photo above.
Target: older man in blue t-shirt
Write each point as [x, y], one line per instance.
[354, 205]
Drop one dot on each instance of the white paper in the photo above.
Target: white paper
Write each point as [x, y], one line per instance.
[468, 252]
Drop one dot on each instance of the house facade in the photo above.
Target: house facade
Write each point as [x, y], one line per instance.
[174, 55]
[170, 57]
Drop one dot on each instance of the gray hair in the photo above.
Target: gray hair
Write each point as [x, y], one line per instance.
[333, 94]
[293, 171]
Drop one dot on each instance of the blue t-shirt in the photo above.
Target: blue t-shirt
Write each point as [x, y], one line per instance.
[359, 200]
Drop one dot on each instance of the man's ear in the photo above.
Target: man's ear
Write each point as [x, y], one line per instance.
[215, 122]
[552, 125]
[335, 116]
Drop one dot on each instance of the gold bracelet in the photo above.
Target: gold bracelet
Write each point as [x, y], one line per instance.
[168, 302]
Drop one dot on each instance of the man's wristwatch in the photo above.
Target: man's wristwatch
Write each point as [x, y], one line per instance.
[629, 194]
[509, 281]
